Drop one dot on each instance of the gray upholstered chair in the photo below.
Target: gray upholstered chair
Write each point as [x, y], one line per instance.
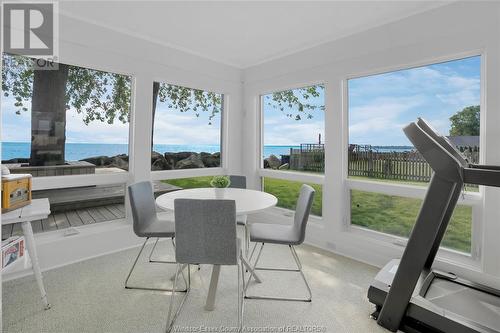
[206, 234]
[290, 235]
[146, 224]
[241, 182]
[238, 181]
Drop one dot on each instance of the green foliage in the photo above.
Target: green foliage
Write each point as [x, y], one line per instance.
[97, 95]
[220, 182]
[187, 99]
[295, 102]
[106, 96]
[17, 79]
[466, 122]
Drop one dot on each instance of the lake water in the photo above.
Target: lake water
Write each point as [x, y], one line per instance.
[78, 151]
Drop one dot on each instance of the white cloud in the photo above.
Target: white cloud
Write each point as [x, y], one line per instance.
[381, 115]
[382, 105]
[171, 128]
[294, 133]
[96, 132]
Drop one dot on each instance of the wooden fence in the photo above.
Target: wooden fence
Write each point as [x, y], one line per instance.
[309, 157]
[407, 166]
[365, 161]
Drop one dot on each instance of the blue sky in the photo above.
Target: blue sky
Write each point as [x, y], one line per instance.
[281, 130]
[379, 106]
[174, 127]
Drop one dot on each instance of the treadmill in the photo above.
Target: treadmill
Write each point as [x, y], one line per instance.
[408, 294]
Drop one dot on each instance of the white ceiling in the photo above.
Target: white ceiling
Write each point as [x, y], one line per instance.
[242, 33]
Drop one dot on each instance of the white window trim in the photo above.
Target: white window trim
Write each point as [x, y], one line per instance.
[69, 181]
[473, 199]
[307, 177]
[224, 134]
[444, 254]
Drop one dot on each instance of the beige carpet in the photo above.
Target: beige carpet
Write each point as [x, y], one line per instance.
[89, 297]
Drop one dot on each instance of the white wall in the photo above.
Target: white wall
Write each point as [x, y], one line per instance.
[449, 32]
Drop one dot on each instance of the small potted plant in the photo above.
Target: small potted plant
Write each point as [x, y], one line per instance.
[219, 183]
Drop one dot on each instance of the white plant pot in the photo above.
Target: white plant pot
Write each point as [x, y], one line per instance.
[219, 192]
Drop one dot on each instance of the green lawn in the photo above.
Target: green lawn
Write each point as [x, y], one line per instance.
[385, 213]
[396, 215]
[193, 182]
[287, 192]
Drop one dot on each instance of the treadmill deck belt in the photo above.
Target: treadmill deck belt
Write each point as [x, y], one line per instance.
[472, 304]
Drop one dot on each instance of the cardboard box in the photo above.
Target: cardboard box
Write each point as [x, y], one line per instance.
[16, 191]
[12, 250]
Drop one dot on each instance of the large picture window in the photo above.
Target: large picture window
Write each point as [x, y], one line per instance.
[186, 129]
[66, 121]
[448, 96]
[293, 123]
[69, 120]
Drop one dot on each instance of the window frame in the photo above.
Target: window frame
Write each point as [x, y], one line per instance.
[198, 172]
[473, 199]
[306, 177]
[69, 181]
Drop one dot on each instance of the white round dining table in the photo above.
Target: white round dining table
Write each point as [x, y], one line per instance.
[247, 202]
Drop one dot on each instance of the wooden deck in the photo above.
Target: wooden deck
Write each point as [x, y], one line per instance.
[69, 218]
[73, 207]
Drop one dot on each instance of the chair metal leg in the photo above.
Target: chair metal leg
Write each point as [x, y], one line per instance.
[252, 253]
[299, 265]
[172, 278]
[242, 291]
[127, 286]
[170, 319]
[239, 298]
[252, 269]
[247, 240]
[299, 270]
[160, 261]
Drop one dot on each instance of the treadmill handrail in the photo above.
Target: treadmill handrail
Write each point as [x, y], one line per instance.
[480, 175]
[485, 166]
[443, 160]
[432, 220]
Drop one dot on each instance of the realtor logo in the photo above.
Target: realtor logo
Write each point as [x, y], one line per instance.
[30, 29]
